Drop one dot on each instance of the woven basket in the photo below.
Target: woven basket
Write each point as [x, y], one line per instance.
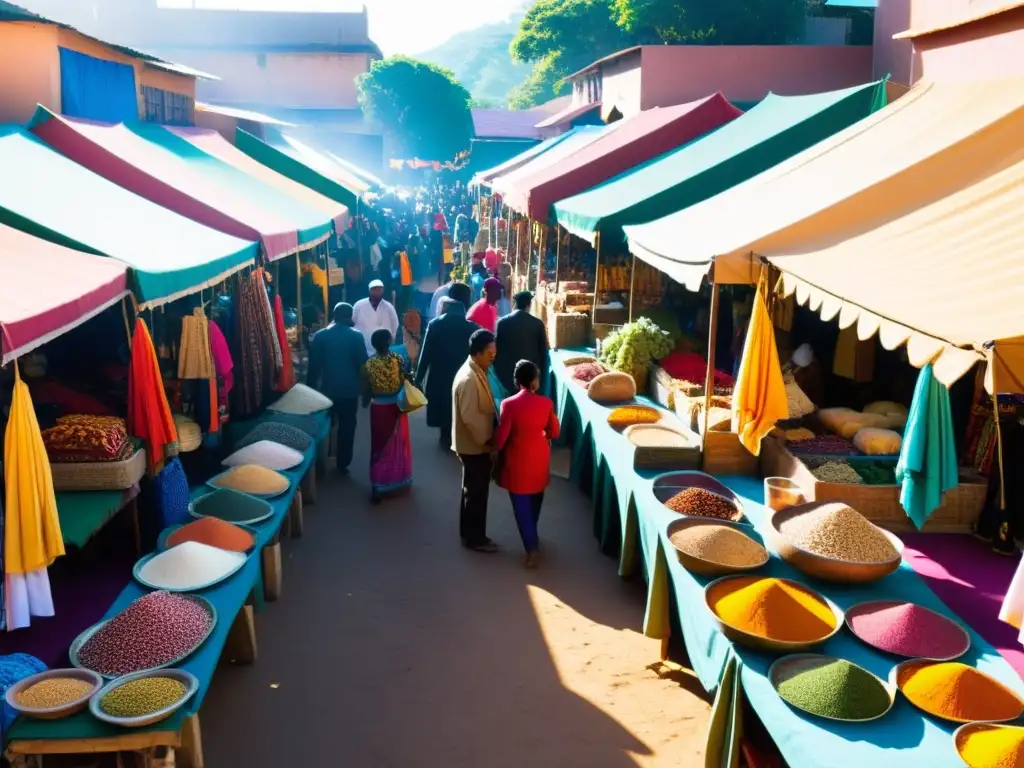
[190, 435]
[568, 329]
[100, 475]
[683, 456]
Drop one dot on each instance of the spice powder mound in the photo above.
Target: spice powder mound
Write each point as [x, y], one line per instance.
[700, 503]
[253, 479]
[54, 692]
[154, 630]
[839, 532]
[906, 629]
[836, 689]
[213, 532]
[955, 691]
[719, 544]
[992, 746]
[772, 608]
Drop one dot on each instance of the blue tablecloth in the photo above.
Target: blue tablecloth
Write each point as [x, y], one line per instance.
[627, 510]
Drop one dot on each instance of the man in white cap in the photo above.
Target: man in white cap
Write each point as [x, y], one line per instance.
[374, 313]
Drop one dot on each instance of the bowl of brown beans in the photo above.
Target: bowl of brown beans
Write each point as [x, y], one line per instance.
[697, 494]
[54, 693]
[144, 698]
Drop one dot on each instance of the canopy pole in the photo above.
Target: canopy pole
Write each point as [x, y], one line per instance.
[508, 236]
[709, 375]
[541, 257]
[298, 295]
[128, 328]
[632, 286]
[558, 254]
[999, 435]
[597, 278]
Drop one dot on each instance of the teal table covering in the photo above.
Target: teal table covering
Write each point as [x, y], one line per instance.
[625, 508]
[83, 513]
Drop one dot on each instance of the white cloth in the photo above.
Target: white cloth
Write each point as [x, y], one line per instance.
[1012, 611]
[366, 319]
[375, 255]
[27, 595]
[435, 301]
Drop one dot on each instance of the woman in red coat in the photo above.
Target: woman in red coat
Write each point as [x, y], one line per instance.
[526, 426]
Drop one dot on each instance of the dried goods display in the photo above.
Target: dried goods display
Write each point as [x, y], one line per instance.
[907, 629]
[143, 696]
[835, 688]
[633, 347]
[720, 544]
[700, 503]
[585, 372]
[54, 692]
[839, 532]
[954, 691]
[627, 415]
[776, 609]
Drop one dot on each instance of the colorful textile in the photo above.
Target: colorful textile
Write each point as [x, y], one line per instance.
[195, 360]
[384, 373]
[255, 365]
[390, 448]
[32, 537]
[484, 314]
[267, 321]
[405, 270]
[927, 467]
[222, 362]
[170, 494]
[286, 379]
[759, 399]
[149, 415]
[87, 438]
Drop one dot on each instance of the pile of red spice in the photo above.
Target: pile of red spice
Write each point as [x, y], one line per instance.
[907, 629]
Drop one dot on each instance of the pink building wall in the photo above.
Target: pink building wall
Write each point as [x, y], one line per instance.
[893, 57]
[676, 74]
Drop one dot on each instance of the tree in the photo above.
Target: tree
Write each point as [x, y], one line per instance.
[422, 105]
[560, 37]
[723, 22]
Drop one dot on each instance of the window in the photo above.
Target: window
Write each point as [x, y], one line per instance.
[167, 107]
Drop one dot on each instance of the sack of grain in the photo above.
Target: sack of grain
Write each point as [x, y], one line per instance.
[878, 442]
[847, 422]
[895, 414]
[800, 404]
[612, 387]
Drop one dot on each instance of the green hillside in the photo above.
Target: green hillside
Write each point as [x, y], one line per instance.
[481, 61]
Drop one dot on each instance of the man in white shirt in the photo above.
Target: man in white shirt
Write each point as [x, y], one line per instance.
[373, 313]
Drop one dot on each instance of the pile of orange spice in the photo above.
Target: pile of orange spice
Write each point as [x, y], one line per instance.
[991, 746]
[628, 415]
[954, 691]
[772, 608]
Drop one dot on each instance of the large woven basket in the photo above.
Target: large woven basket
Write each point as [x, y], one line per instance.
[100, 475]
[568, 329]
[665, 456]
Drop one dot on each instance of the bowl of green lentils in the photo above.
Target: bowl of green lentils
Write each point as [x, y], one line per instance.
[143, 698]
[53, 694]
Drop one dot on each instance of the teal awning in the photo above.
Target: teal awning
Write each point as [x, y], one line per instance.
[869, 5]
[775, 129]
[45, 194]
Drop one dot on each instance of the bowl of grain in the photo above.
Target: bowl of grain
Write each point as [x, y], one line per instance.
[143, 698]
[831, 688]
[716, 547]
[831, 541]
[53, 694]
[697, 494]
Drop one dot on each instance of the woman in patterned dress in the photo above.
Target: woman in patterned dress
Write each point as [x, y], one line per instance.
[390, 446]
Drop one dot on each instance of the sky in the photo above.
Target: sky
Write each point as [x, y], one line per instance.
[397, 26]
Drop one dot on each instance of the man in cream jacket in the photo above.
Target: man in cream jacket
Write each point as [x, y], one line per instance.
[473, 420]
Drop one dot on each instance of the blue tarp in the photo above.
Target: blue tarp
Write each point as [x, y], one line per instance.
[96, 89]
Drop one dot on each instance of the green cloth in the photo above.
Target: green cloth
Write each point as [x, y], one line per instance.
[864, 4]
[287, 162]
[83, 513]
[777, 128]
[45, 194]
[927, 467]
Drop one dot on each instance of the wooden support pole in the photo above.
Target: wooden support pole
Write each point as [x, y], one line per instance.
[508, 233]
[632, 285]
[709, 376]
[597, 277]
[296, 517]
[558, 254]
[541, 258]
[298, 295]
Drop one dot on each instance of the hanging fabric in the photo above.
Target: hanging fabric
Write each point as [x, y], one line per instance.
[286, 378]
[149, 415]
[195, 360]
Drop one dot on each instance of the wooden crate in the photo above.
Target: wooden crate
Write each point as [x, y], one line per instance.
[724, 454]
[878, 503]
[568, 329]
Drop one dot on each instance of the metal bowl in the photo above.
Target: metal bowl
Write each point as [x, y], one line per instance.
[896, 672]
[190, 681]
[742, 637]
[828, 568]
[144, 560]
[784, 668]
[53, 713]
[961, 733]
[667, 485]
[870, 605]
[707, 567]
[231, 506]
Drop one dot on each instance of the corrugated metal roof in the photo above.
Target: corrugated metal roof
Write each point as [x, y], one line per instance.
[505, 124]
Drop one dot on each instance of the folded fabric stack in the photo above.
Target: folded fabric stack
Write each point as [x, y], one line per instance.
[83, 438]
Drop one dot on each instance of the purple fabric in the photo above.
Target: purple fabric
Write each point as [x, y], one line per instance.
[972, 580]
[390, 448]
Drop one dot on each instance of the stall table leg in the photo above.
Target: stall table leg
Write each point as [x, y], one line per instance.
[308, 486]
[296, 517]
[271, 557]
[190, 754]
[323, 454]
[240, 646]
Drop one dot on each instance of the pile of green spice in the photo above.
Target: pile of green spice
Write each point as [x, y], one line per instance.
[836, 688]
[142, 697]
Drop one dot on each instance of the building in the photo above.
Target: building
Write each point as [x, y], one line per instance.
[299, 68]
[43, 61]
[648, 76]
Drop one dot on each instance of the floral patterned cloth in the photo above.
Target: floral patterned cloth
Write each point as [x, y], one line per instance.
[87, 438]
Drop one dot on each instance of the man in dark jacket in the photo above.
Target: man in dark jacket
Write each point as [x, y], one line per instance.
[336, 358]
[443, 353]
[520, 336]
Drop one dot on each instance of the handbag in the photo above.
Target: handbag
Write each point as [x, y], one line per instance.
[410, 398]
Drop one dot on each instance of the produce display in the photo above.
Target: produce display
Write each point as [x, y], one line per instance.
[822, 444]
[837, 472]
[907, 629]
[772, 608]
[627, 415]
[633, 347]
[54, 692]
[691, 367]
[154, 630]
[983, 745]
[612, 387]
[954, 691]
[144, 696]
[252, 479]
[869, 472]
[836, 688]
[798, 435]
[700, 503]
[190, 565]
[839, 532]
[215, 533]
[877, 442]
[720, 544]
[847, 422]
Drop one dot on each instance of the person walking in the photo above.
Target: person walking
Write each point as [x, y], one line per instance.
[443, 352]
[390, 445]
[520, 336]
[373, 313]
[336, 358]
[473, 423]
[525, 429]
[485, 312]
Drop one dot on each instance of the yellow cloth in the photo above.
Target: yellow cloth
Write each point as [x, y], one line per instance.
[406, 273]
[759, 399]
[319, 277]
[32, 537]
[449, 258]
[195, 361]
[854, 359]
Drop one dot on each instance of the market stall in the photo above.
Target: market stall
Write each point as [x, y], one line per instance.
[629, 519]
